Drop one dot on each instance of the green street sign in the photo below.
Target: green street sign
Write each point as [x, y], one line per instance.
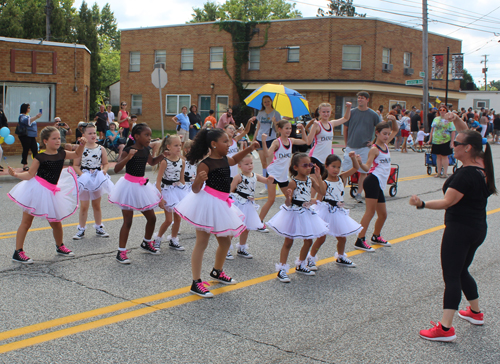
[414, 82]
[422, 74]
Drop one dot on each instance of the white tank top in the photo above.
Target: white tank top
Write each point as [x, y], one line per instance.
[247, 185]
[322, 143]
[334, 190]
[381, 167]
[233, 149]
[91, 158]
[281, 162]
[190, 171]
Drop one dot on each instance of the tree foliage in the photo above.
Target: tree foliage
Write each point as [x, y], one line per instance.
[467, 78]
[340, 8]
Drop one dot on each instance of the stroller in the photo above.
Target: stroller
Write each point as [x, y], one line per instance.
[391, 181]
[430, 161]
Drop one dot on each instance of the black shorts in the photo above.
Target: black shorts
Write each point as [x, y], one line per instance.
[268, 143]
[319, 164]
[101, 126]
[372, 189]
[281, 184]
[441, 149]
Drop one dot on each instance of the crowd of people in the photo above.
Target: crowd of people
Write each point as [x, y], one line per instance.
[208, 181]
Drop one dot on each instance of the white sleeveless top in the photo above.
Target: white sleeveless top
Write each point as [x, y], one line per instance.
[247, 185]
[303, 190]
[91, 158]
[381, 167]
[334, 190]
[233, 149]
[322, 143]
[190, 172]
[173, 171]
[281, 162]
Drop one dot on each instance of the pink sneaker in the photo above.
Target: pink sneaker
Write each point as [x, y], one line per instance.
[62, 250]
[437, 333]
[473, 318]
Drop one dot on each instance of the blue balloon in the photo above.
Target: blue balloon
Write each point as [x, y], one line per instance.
[9, 139]
[4, 132]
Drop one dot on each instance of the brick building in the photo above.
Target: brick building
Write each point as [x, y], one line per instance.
[327, 59]
[51, 76]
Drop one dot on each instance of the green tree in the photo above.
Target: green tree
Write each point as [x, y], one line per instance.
[467, 78]
[494, 85]
[11, 20]
[110, 65]
[33, 19]
[109, 28]
[209, 12]
[340, 8]
[62, 21]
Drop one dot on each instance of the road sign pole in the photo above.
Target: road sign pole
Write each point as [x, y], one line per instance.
[161, 107]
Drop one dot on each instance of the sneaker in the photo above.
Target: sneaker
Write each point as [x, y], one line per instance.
[473, 318]
[156, 242]
[283, 277]
[173, 243]
[229, 256]
[361, 244]
[148, 246]
[263, 191]
[100, 232]
[304, 270]
[121, 257]
[263, 229]
[311, 265]
[80, 233]
[438, 334]
[243, 253]
[62, 250]
[198, 288]
[345, 262]
[21, 257]
[379, 240]
[358, 198]
[221, 277]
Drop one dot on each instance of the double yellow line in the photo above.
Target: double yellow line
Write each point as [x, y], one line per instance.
[149, 308]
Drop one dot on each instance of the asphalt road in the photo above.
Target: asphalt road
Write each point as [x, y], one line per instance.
[91, 309]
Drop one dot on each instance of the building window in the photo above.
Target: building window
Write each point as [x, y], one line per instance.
[386, 56]
[187, 56]
[135, 61]
[254, 59]
[222, 104]
[478, 104]
[351, 57]
[397, 102]
[407, 59]
[38, 95]
[216, 57]
[161, 57]
[293, 54]
[176, 102]
[136, 107]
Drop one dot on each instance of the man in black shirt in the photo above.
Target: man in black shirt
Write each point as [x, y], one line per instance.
[101, 121]
[496, 129]
[415, 124]
[430, 117]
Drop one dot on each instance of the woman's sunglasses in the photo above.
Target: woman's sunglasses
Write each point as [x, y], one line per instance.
[307, 165]
[459, 143]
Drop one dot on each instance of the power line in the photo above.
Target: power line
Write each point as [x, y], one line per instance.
[475, 20]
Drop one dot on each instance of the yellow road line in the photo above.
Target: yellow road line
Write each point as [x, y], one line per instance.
[146, 310]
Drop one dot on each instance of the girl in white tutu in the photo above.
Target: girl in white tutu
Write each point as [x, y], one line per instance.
[170, 183]
[209, 207]
[330, 207]
[296, 219]
[243, 187]
[189, 169]
[133, 192]
[46, 191]
[93, 182]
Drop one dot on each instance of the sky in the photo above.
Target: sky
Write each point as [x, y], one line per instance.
[476, 23]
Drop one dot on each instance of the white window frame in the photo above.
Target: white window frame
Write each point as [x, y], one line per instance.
[218, 112]
[187, 59]
[400, 102]
[12, 111]
[135, 64]
[485, 101]
[254, 65]
[293, 50]
[178, 106]
[386, 56]
[350, 61]
[136, 104]
[161, 57]
[407, 59]
[216, 58]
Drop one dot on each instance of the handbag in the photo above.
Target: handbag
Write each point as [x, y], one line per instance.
[21, 129]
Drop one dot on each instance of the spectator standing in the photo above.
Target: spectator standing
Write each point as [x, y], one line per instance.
[415, 122]
[442, 136]
[194, 118]
[64, 130]
[101, 121]
[484, 123]
[123, 119]
[496, 129]
[28, 138]
[111, 115]
[210, 118]
[3, 123]
[226, 118]
[182, 121]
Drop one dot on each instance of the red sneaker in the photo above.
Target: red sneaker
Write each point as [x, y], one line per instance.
[473, 318]
[438, 334]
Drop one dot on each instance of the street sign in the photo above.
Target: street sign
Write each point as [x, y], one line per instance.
[422, 74]
[414, 82]
[159, 78]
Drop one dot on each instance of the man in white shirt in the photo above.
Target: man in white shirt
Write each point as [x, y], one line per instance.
[111, 115]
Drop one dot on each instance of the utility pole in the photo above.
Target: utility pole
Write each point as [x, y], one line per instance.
[425, 62]
[47, 20]
[485, 69]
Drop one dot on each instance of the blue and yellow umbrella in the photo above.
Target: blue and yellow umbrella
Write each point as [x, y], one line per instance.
[286, 101]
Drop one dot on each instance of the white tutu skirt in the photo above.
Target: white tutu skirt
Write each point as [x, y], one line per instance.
[298, 223]
[133, 196]
[249, 209]
[173, 195]
[338, 220]
[211, 214]
[39, 201]
[92, 185]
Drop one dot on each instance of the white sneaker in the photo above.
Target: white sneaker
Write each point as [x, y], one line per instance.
[157, 242]
[80, 234]
[100, 232]
[263, 229]
[358, 198]
[229, 256]
[263, 191]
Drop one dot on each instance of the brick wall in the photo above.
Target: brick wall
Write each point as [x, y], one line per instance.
[70, 105]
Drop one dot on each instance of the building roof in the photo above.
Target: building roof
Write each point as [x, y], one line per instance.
[43, 42]
[297, 19]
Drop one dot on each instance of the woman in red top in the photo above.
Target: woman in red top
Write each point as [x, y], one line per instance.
[123, 119]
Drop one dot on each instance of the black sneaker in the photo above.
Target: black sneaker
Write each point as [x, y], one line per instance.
[100, 232]
[62, 250]
[148, 246]
[173, 243]
[80, 233]
[21, 257]
[345, 262]
[121, 257]
[198, 288]
[380, 240]
[243, 253]
[304, 270]
[283, 277]
[263, 229]
[311, 264]
[221, 277]
[362, 245]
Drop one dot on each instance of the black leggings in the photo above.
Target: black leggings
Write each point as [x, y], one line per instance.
[458, 247]
[28, 143]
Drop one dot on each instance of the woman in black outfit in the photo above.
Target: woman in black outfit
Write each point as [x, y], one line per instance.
[465, 197]
[194, 118]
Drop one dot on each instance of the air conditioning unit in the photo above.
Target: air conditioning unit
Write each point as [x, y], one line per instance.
[386, 67]
[408, 71]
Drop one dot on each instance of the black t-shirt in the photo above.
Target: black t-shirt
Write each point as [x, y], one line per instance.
[415, 119]
[430, 117]
[471, 209]
[496, 123]
[3, 119]
[470, 116]
[194, 118]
